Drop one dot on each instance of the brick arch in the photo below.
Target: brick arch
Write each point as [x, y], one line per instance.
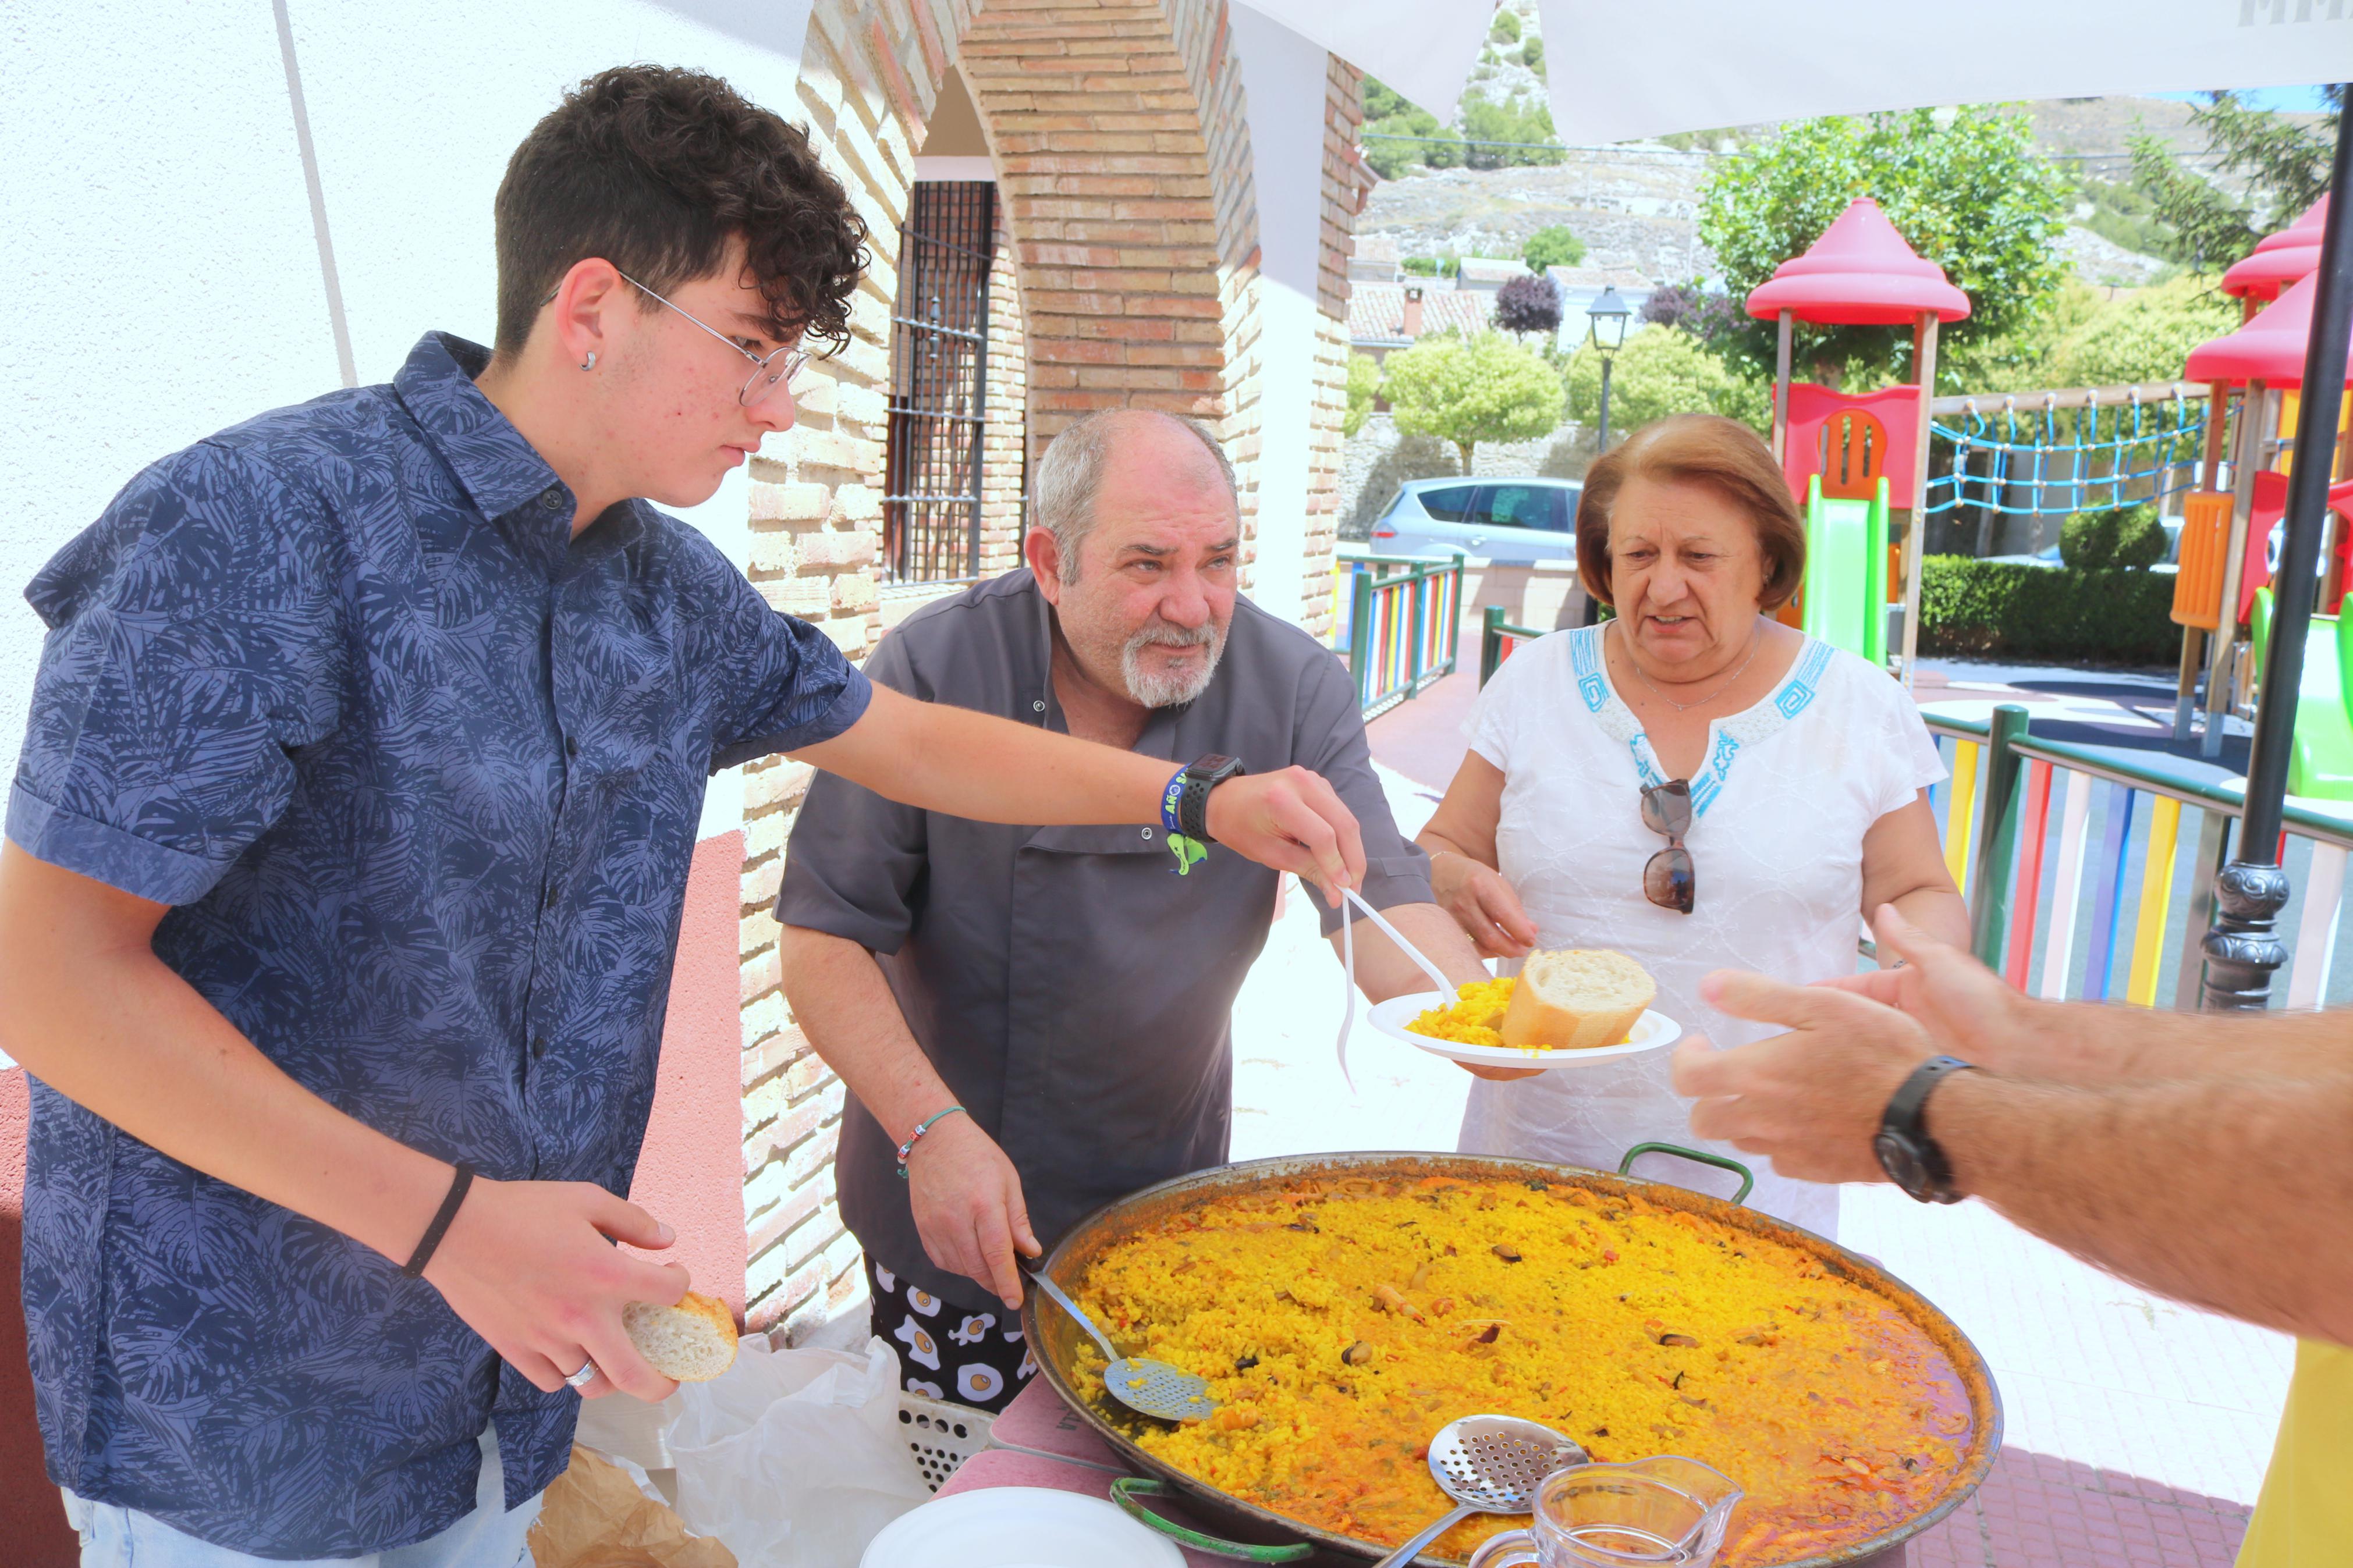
[1124, 164]
[1123, 173]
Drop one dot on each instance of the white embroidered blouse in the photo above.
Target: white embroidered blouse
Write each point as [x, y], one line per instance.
[1781, 805]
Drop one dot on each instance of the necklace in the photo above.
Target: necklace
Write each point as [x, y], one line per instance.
[1755, 645]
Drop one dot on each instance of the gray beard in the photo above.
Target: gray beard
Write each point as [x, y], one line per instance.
[1170, 688]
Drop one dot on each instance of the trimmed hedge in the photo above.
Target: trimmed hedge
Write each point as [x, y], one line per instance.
[2120, 536]
[2007, 609]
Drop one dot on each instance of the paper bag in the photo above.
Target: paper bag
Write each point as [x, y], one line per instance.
[795, 1458]
[594, 1516]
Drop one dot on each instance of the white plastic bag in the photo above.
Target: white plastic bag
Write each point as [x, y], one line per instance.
[794, 1458]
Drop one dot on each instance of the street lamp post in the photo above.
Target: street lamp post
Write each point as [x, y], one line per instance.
[1604, 322]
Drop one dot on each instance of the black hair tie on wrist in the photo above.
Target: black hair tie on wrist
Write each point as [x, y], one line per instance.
[460, 1179]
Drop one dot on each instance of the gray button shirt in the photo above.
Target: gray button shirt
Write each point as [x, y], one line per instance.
[1074, 993]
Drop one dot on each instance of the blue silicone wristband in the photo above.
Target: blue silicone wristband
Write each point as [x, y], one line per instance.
[1171, 796]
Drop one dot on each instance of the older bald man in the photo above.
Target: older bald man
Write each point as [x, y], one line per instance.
[1034, 1021]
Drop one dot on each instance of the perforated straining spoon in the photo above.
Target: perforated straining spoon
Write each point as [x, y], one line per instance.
[1152, 1387]
[1489, 1463]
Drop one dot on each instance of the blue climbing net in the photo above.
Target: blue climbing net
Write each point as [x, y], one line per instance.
[2049, 461]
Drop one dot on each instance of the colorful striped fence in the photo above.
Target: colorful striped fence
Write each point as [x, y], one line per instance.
[1497, 638]
[2085, 881]
[1402, 625]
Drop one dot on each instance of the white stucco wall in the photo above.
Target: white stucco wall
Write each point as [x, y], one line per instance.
[1283, 84]
[165, 272]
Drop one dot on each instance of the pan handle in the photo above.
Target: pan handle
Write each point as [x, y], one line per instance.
[1722, 1163]
[1125, 1491]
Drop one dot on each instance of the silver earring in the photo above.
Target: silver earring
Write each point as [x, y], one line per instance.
[590, 362]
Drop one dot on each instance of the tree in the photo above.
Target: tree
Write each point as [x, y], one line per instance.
[1469, 390]
[1966, 189]
[1694, 308]
[2284, 166]
[1506, 29]
[1663, 373]
[1532, 53]
[1387, 115]
[1528, 304]
[1553, 245]
[1363, 388]
[1523, 125]
[2144, 336]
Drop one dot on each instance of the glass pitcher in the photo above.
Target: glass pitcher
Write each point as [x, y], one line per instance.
[1666, 1512]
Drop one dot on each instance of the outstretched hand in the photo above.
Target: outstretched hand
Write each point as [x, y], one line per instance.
[1809, 1099]
[1968, 1010]
[1293, 821]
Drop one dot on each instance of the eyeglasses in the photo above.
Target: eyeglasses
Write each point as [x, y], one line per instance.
[1668, 879]
[770, 371]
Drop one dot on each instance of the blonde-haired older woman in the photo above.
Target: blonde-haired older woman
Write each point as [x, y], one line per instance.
[1692, 782]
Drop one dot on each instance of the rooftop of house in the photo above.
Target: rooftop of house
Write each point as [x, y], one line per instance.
[1624, 280]
[1479, 272]
[1376, 312]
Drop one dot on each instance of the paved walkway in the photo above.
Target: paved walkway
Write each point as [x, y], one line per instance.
[2136, 1429]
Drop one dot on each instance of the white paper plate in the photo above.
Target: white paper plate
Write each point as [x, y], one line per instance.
[1651, 1031]
[1018, 1526]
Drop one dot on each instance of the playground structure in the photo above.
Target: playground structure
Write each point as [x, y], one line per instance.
[2231, 538]
[1838, 448]
[2053, 453]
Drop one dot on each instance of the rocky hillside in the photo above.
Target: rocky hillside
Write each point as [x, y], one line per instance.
[1636, 206]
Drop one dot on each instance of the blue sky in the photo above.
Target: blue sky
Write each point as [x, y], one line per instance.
[2308, 99]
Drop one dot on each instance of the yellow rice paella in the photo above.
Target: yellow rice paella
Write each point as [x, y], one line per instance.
[1341, 1322]
[1474, 1018]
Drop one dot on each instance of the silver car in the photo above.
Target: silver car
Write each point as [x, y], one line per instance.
[1512, 521]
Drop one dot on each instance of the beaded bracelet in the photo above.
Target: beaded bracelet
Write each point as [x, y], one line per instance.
[917, 1136]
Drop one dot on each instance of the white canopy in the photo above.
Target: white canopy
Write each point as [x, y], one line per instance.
[1618, 74]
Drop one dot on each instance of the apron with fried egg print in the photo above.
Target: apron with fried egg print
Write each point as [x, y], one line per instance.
[976, 1358]
[1786, 791]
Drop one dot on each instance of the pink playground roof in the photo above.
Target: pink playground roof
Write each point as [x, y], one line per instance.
[1860, 273]
[2269, 349]
[2280, 259]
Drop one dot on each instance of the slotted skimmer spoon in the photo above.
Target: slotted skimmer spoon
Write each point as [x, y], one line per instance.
[1489, 1463]
[1152, 1387]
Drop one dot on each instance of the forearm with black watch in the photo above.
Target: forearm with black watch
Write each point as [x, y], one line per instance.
[1202, 776]
[1184, 807]
[1913, 1160]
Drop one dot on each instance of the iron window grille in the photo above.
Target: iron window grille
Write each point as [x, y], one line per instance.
[939, 369]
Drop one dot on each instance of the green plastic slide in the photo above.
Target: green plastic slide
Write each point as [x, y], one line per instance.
[2320, 762]
[1846, 571]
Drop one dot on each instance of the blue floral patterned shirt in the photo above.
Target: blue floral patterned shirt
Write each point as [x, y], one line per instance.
[422, 775]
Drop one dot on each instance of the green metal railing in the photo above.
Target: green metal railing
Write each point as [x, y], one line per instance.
[1999, 833]
[1497, 638]
[1401, 625]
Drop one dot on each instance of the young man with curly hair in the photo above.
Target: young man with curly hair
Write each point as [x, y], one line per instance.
[348, 849]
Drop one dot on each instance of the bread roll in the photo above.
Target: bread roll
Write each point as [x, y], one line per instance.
[1575, 1000]
[693, 1341]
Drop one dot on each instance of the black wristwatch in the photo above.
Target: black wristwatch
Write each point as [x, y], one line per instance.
[1912, 1159]
[1201, 776]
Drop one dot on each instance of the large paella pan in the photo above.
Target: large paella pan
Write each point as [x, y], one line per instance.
[1321, 1294]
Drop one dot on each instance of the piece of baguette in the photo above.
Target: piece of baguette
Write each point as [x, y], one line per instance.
[693, 1341]
[1577, 999]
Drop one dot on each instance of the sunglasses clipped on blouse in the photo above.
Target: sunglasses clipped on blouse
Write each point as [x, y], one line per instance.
[1668, 879]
